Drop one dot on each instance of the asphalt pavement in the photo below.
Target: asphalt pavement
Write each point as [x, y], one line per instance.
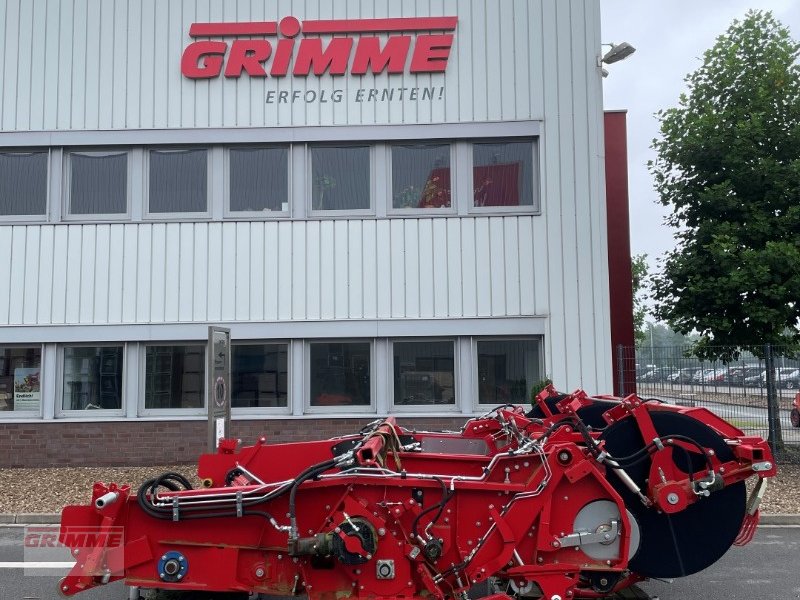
[766, 569]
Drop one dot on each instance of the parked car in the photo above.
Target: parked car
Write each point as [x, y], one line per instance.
[739, 374]
[697, 378]
[780, 374]
[791, 380]
[685, 375]
[756, 380]
[658, 375]
[712, 376]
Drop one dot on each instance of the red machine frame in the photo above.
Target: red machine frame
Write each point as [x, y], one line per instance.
[393, 513]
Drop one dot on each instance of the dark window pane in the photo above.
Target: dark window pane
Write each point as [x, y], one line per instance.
[503, 173]
[424, 373]
[259, 179]
[260, 375]
[340, 178]
[98, 183]
[340, 374]
[23, 183]
[174, 377]
[506, 370]
[20, 378]
[421, 176]
[178, 181]
[92, 377]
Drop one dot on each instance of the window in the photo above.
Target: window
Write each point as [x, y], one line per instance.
[174, 377]
[23, 183]
[92, 378]
[178, 181]
[259, 375]
[424, 373]
[506, 370]
[340, 373]
[502, 173]
[98, 183]
[259, 179]
[20, 377]
[421, 176]
[340, 178]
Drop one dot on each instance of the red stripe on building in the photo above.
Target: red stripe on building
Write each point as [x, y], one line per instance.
[380, 25]
[217, 29]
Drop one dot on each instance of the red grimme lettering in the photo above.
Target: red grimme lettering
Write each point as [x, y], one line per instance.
[206, 59]
[203, 60]
[333, 59]
[248, 55]
[431, 53]
[392, 57]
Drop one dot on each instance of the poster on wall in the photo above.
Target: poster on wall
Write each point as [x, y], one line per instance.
[26, 388]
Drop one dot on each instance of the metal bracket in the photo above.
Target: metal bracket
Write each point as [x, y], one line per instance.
[756, 496]
[581, 538]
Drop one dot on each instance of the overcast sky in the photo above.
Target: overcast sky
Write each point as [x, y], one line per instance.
[670, 38]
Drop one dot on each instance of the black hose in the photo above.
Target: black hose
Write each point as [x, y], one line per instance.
[171, 481]
[447, 495]
[309, 473]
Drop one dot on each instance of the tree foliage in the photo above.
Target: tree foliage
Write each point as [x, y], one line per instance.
[640, 273]
[728, 166]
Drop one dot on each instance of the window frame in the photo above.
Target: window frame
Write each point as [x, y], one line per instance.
[28, 414]
[255, 215]
[477, 407]
[389, 182]
[533, 209]
[318, 214]
[455, 407]
[365, 409]
[177, 216]
[66, 185]
[143, 411]
[266, 410]
[99, 414]
[41, 218]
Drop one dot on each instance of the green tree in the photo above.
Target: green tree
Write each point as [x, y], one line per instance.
[640, 272]
[728, 165]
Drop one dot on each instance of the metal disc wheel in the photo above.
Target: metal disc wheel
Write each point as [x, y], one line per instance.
[795, 417]
[691, 540]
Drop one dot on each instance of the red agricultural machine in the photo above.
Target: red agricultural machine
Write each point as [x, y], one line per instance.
[582, 497]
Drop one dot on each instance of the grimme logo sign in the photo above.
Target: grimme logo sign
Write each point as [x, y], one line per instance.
[298, 48]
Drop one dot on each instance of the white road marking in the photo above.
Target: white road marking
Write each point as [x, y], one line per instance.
[36, 565]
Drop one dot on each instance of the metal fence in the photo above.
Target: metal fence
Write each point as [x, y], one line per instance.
[754, 391]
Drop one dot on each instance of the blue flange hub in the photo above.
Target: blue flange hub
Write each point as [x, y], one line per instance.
[173, 566]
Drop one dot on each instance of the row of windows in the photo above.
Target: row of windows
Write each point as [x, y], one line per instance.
[339, 375]
[339, 177]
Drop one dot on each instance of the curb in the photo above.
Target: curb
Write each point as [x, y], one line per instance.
[783, 519]
[55, 519]
[30, 519]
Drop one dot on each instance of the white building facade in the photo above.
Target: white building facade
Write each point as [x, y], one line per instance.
[397, 207]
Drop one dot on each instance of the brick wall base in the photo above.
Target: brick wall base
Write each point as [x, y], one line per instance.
[145, 443]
